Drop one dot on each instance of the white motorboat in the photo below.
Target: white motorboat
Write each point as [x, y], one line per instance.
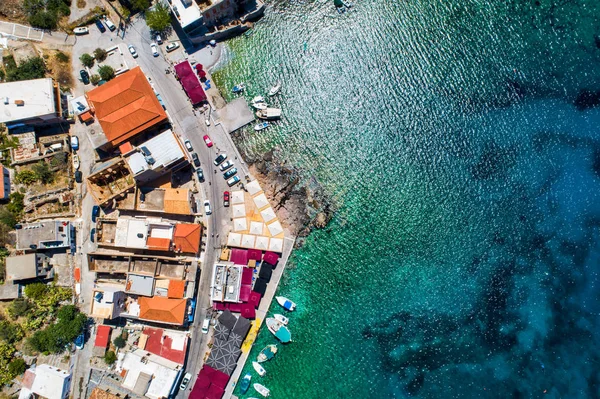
[258, 99]
[275, 89]
[267, 353]
[281, 318]
[76, 162]
[261, 126]
[259, 369]
[269, 113]
[286, 303]
[260, 105]
[280, 331]
[261, 389]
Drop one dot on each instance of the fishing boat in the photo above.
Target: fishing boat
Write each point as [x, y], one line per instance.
[282, 319]
[259, 369]
[261, 389]
[279, 330]
[260, 105]
[267, 353]
[245, 383]
[275, 89]
[261, 126]
[286, 303]
[237, 89]
[258, 99]
[269, 113]
[76, 163]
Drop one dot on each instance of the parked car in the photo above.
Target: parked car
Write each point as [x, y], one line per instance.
[208, 141]
[80, 340]
[188, 145]
[159, 39]
[219, 160]
[233, 181]
[207, 209]
[82, 30]
[95, 213]
[171, 46]
[186, 380]
[154, 49]
[231, 172]
[110, 24]
[100, 26]
[134, 53]
[85, 77]
[92, 234]
[74, 143]
[206, 323]
[225, 165]
[195, 159]
[147, 155]
[200, 174]
[226, 198]
[78, 176]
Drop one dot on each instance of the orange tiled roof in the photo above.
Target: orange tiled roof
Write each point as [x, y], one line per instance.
[86, 116]
[126, 148]
[98, 393]
[176, 289]
[161, 244]
[2, 192]
[177, 201]
[126, 106]
[187, 237]
[163, 309]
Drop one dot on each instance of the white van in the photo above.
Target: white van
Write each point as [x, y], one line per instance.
[109, 24]
[206, 324]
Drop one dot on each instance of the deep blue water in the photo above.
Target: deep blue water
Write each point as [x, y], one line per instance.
[463, 259]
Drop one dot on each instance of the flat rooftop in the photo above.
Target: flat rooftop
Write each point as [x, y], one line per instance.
[226, 283]
[38, 96]
[161, 267]
[44, 235]
[187, 11]
[165, 149]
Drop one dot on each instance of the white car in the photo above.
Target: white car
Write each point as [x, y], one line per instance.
[207, 209]
[74, 143]
[225, 165]
[186, 380]
[154, 49]
[159, 40]
[206, 324]
[83, 30]
[188, 145]
[171, 46]
[134, 53]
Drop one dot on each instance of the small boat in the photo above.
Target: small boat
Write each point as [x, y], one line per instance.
[279, 330]
[260, 105]
[249, 32]
[286, 303]
[261, 389]
[259, 369]
[269, 113]
[275, 89]
[245, 383]
[261, 126]
[267, 353]
[258, 99]
[282, 319]
[237, 89]
[76, 163]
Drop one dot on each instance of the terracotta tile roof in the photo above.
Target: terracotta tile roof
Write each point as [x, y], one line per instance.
[98, 393]
[177, 201]
[161, 344]
[176, 289]
[3, 193]
[102, 336]
[187, 237]
[86, 116]
[161, 244]
[126, 106]
[164, 310]
[126, 148]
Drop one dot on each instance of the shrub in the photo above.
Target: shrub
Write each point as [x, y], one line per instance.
[31, 68]
[110, 357]
[19, 307]
[158, 19]
[36, 291]
[95, 79]
[42, 172]
[119, 342]
[53, 338]
[106, 72]
[140, 5]
[26, 176]
[43, 19]
[16, 205]
[2, 74]
[62, 57]
[46, 13]
[7, 218]
[9, 332]
[100, 54]
[17, 367]
[87, 60]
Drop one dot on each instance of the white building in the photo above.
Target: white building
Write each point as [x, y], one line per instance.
[30, 102]
[147, 374]
[46, 381]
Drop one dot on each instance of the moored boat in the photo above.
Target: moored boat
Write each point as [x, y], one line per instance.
[260, 105]
[275, 89]
[267, 353]
[261, 126]
[259, 369]
[76, 162]
[269, 113]
[258, 99]
[238, 88]
[280, 331]
[286, 303]
[282, 319]
[245, 383]
[261, 389]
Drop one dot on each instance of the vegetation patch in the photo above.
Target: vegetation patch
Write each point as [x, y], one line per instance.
[158, 19]
[31, 68]
[45, 14]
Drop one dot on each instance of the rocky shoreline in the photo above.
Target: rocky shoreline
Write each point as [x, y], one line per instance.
[301, 204]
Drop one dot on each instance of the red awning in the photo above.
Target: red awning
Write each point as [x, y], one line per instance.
[255, 254]
[247, 275]
[248, 311]
[239, 256]
[271, 258]
[245, 291]
[190, 82]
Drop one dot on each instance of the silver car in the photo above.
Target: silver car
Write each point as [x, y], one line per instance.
[134, 53]
[225, 165]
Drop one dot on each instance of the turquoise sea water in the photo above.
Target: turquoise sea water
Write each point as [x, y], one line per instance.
[463, 260]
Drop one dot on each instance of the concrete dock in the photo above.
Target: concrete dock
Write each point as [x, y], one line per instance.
[261, 315]
[234, 115]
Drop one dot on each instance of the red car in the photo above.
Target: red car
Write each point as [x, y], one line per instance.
[207, 140]
[226, 198]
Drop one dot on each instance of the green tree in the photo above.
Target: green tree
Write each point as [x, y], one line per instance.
[19, 307]
[53, 338]
[31, 68]
[106, 72]
[158, 19]
[100, 54]
[110, 357]
[10, 332]
[87, 60]
[16, 204]
[140, 5]
[17, 367]
[7, 218]
[26, 176]
[36, 291]
[43, 172]
[95, 79]
[119, 342]
[43, 20]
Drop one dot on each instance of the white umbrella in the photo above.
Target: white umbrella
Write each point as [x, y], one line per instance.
[253, 187]
[262, 243]
[275, 228]
[234, 240]
[268, 214]
[239, 211]
[237, 197]
[240, 224]
[256, 228]
[276, 245]
[248, 241]
[261, 201]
